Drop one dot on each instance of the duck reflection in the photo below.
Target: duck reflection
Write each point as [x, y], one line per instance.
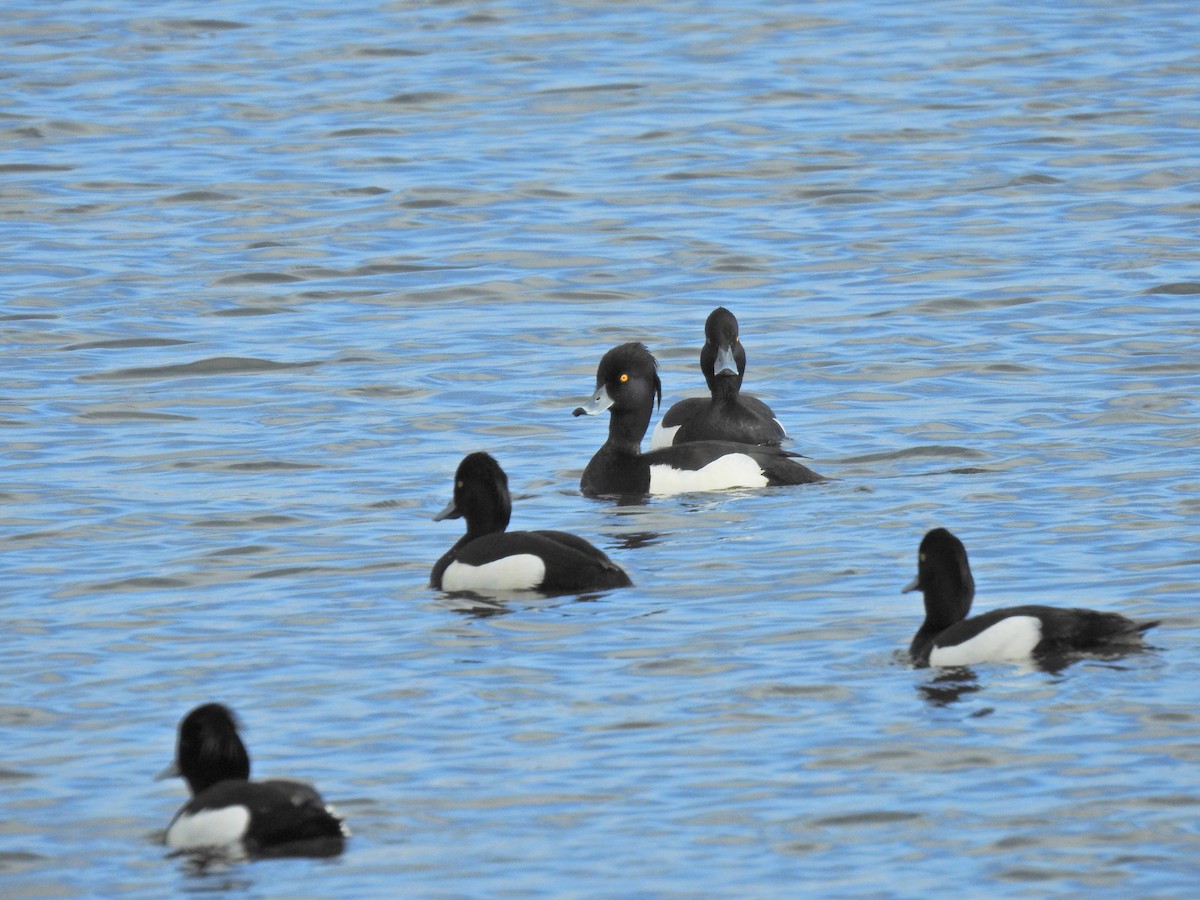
[636, 540]
[472, 605]
[953, 683]
[949, 686]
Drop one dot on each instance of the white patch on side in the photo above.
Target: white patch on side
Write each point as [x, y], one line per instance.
[1013, 637]
[521, 572]
[209, 828]
[733, 470]
[663, 436]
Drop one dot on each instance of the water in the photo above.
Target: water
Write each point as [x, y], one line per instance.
[270, 273]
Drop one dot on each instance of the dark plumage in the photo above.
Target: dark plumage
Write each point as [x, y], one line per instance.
[228, 811]
[627, 385]
[727, 415]
[487, 558]
[948, 638]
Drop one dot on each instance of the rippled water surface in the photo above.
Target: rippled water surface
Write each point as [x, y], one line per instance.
[270, 270]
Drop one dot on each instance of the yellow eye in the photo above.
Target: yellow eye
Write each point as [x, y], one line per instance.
[922, 557]
[624, 378]
[458, 484]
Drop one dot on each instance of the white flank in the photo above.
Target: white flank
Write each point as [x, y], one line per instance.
[522, 572]
[1010, 638]
[733, 470]
[209, 828]
[663, 436]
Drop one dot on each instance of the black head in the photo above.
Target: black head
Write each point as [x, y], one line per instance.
[629, 373]
[722, 358]
[480, 495]
[627, 384]
[944, 576]
[209, 749]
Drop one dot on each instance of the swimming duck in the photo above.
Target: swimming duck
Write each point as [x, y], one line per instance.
[488, 559]
[948, 638]
[228, 813]
[728, 415]
[628, 386]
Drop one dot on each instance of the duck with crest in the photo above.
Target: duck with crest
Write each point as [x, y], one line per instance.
[628, 387]
[948, 637]
[231, 815]
[727, 414]
[488, 559]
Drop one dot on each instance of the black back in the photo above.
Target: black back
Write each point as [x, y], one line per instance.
[1063, 630]
[281, 813]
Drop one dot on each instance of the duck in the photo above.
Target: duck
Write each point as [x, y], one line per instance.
[948, 637]
[728, 415]
[628, 387]
[488, 559]
[228, 813]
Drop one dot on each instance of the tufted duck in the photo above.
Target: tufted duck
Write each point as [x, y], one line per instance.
[627, 385]
[948, 638]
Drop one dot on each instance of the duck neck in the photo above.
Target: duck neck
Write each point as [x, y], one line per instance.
[725, 389]
[626, 428]
[488, 514]
[922, 642]
[216, 765]
[948, 597]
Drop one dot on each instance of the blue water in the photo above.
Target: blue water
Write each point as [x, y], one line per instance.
[271, 270]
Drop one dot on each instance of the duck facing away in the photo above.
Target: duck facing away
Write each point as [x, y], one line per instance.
[948, 637]
[727, 415]
[628, 386]
[228, 813]
[488, 559]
